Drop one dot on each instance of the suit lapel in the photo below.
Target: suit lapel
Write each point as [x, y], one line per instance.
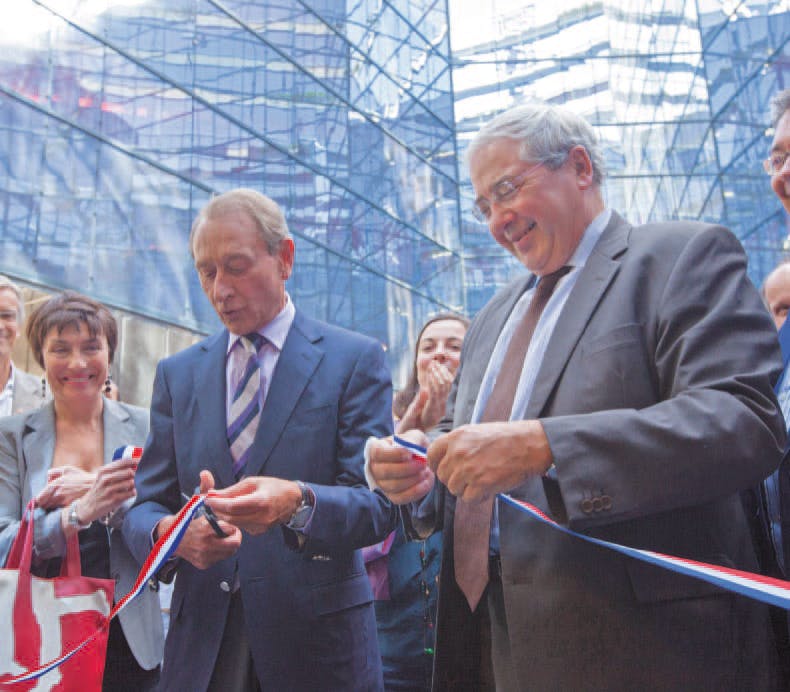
[209, 417]
[118, 431]
[39, 443]
[597, 274]
[295, 367]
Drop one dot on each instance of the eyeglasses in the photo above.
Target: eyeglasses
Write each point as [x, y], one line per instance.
[775, 163]
[503, 191]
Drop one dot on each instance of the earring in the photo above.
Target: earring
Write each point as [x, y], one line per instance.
[43, 387]
[107, 385]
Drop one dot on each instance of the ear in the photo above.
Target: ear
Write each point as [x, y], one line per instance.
[582, 165]
[285, 258]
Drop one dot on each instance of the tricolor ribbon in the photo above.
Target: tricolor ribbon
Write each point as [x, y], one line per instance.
[160, 553]
[775, 592]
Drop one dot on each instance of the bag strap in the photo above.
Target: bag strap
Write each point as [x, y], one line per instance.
[21, 551]
[21, 554]
[70, 565]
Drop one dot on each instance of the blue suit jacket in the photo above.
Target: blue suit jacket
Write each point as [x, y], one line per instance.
[311, 623]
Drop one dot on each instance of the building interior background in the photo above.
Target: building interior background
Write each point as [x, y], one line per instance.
[119, 119]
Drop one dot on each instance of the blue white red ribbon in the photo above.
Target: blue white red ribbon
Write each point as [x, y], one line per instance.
[163, 549]
[128, 452]
[775, 592]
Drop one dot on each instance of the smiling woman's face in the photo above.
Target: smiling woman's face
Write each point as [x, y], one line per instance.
[76, 363]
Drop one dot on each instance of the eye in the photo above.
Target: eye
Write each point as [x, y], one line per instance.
[778, 160]
[482, 211]
[504, 190]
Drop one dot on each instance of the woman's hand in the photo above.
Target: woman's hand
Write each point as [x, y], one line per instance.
[112, 486]
[428, 406]
[440, 380]
[65, 484]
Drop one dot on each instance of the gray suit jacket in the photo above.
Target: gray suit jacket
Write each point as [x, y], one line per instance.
[29, 392]
[655, 395]
[27, 443]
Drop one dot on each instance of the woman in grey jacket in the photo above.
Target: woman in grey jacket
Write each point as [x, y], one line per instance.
[60, 454]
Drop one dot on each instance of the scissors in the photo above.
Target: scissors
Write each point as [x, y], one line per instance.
[207, 512]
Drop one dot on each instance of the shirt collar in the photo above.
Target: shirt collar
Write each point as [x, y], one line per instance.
[274, 331]
[9, 386]
[590, 237]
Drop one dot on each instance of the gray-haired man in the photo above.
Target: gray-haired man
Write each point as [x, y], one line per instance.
[19, 391]
[642, 406]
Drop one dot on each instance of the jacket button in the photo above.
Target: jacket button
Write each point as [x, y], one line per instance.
[587, 506]
[224, 586]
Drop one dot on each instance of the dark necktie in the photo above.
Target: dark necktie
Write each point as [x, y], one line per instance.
[472, 523]
[245, 407]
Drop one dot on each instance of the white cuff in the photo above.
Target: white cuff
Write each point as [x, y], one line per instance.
[368, 475]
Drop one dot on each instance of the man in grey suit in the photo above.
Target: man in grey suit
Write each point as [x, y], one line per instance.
[642, 406]
[19, 391]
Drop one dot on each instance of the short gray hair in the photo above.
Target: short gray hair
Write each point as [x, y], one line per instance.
[780, 104]
[263, 210]
[546, 133]
[7, 284]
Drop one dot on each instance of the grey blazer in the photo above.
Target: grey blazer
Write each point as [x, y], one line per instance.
[27, 443]
[655, 395]
[29, 392]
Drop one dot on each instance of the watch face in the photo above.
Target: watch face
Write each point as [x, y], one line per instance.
[301, 516]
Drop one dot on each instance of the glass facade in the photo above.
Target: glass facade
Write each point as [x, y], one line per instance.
[120, 118]
[678, 91]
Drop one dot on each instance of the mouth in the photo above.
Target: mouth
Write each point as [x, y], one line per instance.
[78, 380]
[516, 238]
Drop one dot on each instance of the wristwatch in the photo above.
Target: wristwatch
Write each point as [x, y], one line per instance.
[74, 519]
[304, 511]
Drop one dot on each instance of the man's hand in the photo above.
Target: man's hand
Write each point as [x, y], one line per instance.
[478, 461]
[200, 545]
[400, 477]
[257, 503]
[64, 485]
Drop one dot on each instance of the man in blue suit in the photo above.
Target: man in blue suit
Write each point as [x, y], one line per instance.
[275, 422]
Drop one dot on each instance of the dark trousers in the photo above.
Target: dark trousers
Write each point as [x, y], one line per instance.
[497, 672]
[234, 670]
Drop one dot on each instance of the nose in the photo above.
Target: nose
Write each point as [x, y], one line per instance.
[500, 220]
[221, 288]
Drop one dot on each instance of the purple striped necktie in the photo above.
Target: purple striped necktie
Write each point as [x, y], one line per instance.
[245, 407]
